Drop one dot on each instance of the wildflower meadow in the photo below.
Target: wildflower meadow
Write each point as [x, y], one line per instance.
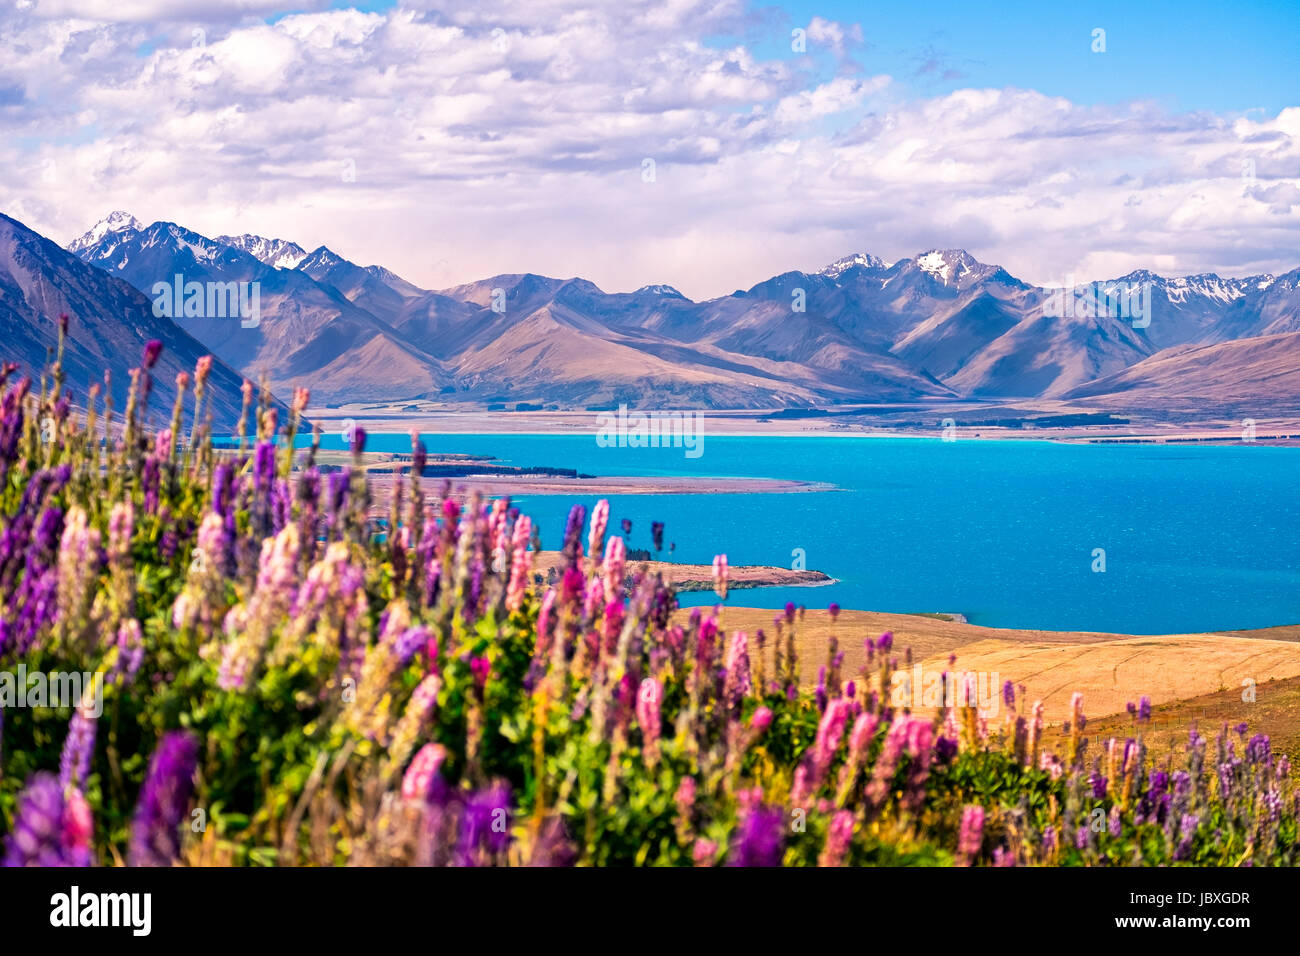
[295, 672]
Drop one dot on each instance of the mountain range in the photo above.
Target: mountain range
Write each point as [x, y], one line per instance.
[936, 327]
[109, 324]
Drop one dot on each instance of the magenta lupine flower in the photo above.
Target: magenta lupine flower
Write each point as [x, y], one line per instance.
[480, 667]
[649, 700]
[971, 836]
[760, 720]
[418, 783]
[759, 839]
[838, 838]
[152, 349]
[78, 749]
[886, 642]
[834, 610]
[829, 734]
[789, 612]
[358, 440]
[164, 800]
[50, 828]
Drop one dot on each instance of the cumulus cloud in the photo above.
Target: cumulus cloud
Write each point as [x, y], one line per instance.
[624, 142]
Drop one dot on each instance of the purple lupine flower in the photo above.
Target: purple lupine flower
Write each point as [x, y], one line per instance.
[759, 838]
[50, 829]
[222, 477]
[833, 610]
[149, 481]
[572, 546]
[78, 749]
[358, 440]
[626, 525]
[1009, 694]
[1259, 751]
[1144, 709]
[409, 641]
[886, 642]
[657, 534]
[164, 799]
[1186, 834]
[263, 465]
[1049, 839]
[152, 349]
[485, 824]
[1098, 783]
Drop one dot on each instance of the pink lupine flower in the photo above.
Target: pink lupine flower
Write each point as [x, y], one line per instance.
[838, 838]
[202, 369]
[737, 667]
[720, 575]
[649, 700]
[419, 777]
[521, 563]
[971, 837]
[761, 720]
[684, 798]
[615, 558]
[864, 729]
[162, 445]
[599, 522]
[704, 852]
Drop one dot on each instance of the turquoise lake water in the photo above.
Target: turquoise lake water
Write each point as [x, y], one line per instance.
[1004, 532]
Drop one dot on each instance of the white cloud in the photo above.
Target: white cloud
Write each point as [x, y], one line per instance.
[498, 137]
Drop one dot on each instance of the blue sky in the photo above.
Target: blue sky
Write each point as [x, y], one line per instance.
[1188, 55]
[455, 139]
[1227, 57]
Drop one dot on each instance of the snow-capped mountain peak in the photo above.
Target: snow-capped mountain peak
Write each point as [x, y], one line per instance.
[842, 265]
[277, 253]
[949, 266]
[116, 221]
[659, 289]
